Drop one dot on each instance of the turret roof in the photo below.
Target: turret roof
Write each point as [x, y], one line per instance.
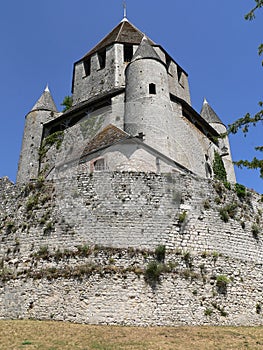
[124, 32]
[45, 102]
[209, 114]
[145, 50]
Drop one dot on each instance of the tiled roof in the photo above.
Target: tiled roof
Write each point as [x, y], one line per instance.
[124, 32]
[108, 136]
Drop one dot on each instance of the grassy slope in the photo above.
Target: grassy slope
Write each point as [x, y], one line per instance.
[15, 335]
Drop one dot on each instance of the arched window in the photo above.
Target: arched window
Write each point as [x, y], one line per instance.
[152, 89]
[99, 165]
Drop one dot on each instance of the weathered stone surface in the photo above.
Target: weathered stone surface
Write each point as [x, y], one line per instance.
[77, 249]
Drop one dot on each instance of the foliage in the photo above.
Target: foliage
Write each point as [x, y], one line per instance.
[240, 191]
[182, 217]
[160, 253]
[245, 122]
[32, 202]
[228, 211]
[152, 272]
[255, 230]
[67, 103]
[56, 138]
[222, 281]
[219, 168]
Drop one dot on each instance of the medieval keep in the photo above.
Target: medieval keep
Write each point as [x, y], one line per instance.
[131, 111]
[130, 228]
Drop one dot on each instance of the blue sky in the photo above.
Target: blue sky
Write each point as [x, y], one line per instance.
[210, 39]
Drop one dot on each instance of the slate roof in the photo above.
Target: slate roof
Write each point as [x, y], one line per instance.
[209, 114]
[125, 32]
[45, 102]
[145, 50]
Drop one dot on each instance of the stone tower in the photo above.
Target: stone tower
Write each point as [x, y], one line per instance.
[148, 107]
[43, 111]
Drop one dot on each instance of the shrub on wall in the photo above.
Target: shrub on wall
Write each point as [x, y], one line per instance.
[160, 253]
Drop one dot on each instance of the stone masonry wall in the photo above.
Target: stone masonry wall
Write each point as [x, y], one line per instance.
[83, 249]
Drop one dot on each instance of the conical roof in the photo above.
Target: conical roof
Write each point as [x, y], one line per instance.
[125, 32]
[145, 50]
[209, 114]
[45, 102]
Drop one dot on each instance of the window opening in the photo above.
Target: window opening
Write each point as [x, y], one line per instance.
[180, 76]
[99, 165]
[152, 89]
[128, 52]
[87, 64]
[168, 61]
[102, 58]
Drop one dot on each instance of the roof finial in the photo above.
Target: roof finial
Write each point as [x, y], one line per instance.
[124, 9]
[47, 88]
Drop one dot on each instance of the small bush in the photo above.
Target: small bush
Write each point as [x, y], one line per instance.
[224, 214]
[228, 211]
[182, 217]
[227, 185]
[240, 191]
[49, 227]
[160, 253]
[208, 312]
[255, 230]
[42, 253]
[152, 272]
[206, 204]
[83, 250]
[32, 202]
[222, 281]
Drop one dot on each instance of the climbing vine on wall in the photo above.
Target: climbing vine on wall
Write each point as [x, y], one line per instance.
[219, 168]
[53, 139]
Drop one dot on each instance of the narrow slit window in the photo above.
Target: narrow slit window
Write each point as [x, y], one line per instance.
[180, 76]
[128, 52]
[168, 61]
[152, 89]
[87, 64]
[102, 58]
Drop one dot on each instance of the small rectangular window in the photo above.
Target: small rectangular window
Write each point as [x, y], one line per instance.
[152, 89]
[87, 65]
[128, 52]
[102, 58]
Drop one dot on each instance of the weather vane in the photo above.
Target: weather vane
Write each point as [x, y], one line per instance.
[124, 9]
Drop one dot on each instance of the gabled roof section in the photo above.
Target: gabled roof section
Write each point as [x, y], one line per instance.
[108, 136]
[45, 102]
[125, 32]
[209, 114]
[145, 50]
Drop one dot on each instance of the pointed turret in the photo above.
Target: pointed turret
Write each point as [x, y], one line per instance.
[212, 118]
[45, 102]
[209, 114]
[43, 111]
[145, 50]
